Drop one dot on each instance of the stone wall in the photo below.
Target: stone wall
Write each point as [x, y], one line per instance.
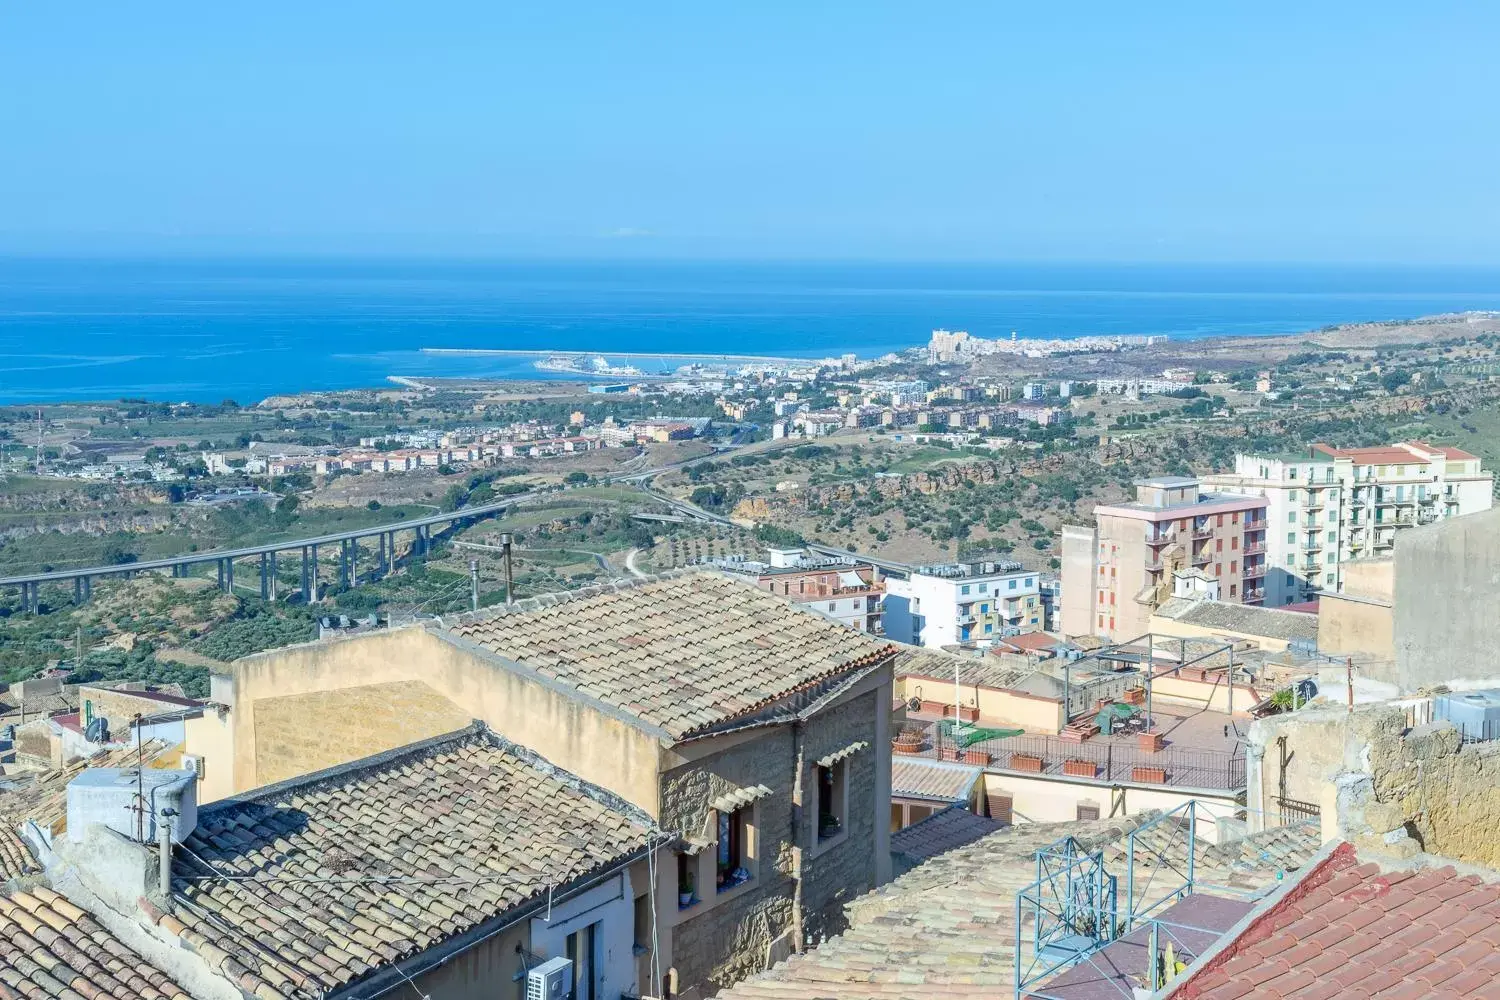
[844, 870]
[718, 943]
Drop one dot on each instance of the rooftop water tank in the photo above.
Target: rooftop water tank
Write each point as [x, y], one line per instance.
[1476, 713]
[108, 796]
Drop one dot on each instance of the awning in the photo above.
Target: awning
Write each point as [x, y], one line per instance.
[739, 798]
[848, 578]
[838, 755]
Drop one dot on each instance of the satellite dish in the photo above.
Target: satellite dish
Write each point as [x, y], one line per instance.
[97, 731]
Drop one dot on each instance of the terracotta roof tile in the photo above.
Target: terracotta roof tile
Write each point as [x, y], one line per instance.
[51, 948]
[939, 833]
[682, 652]
[1358, 929]
[343, 872]
[946, 928]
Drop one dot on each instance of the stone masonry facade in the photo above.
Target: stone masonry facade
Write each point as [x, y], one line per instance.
[726, 941]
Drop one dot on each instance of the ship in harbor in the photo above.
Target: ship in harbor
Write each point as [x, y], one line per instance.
[597, 366]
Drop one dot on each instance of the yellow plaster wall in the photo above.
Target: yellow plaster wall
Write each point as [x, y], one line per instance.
[586, 740]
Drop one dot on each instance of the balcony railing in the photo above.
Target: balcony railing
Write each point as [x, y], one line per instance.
[1255, 548]
[1185, 767]
[1202, 558]
[1255, 595]
[1199, 534]
[1255, 572]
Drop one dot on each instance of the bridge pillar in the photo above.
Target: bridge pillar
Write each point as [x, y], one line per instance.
[77, 590]
[220, 565]
[306, 584]
[265, 581]
[313, 580]
[344, 563]
[273, 576]
[228, 576]
[354, 562]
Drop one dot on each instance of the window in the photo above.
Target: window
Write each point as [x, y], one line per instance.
[1328, 578]
[1218, 545]
[984, 588]
[1221, 521]
[832, 800]
[964, 589]
[580, 951]
[733, 850]
[984, 609]
[1218, 569]
[833, 605]
[1332, 536]
[1232, 588]
[1291, 538]
[1234, 566]
[1234, 543]
[1332, 558]
[1031, 581]
[988, 628]
[1234, 518]
[1012, 585]
[1087, 810]
[687, 880]
[1291, 517]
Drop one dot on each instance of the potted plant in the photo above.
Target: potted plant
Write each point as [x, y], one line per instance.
[685, 891]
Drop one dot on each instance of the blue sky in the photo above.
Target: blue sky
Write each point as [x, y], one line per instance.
[1155, 131]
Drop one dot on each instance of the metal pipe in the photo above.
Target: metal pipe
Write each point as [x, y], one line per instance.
[474, 584]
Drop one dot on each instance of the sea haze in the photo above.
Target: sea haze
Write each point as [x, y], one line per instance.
[211, 329]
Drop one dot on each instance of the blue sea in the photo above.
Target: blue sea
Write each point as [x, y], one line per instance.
[217, 328]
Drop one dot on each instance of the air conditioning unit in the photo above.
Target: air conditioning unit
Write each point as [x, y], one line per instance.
[193, 762]
[552, 980]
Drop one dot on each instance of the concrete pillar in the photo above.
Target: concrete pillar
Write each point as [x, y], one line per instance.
[306, 580]
[77, 590]
[344, 563]
[229, 576]
[313, 581]
[265, 581]
[220, 565]
[353, 562]
[273, 577]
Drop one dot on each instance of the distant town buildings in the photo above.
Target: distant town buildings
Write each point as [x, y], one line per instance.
[958, 345]
[848, 591]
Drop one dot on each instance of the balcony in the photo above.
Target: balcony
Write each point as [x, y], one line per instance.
[1205, 532]
[1255, 572]
[1203, 558]
[1255, 548]
[1254, 595]
[1162, 538]
[1312, 545]
[965, 618]
[1384, 543]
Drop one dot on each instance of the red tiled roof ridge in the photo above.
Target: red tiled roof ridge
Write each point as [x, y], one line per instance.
[1265, 924]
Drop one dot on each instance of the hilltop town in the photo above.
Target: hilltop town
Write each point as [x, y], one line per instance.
[993, 668]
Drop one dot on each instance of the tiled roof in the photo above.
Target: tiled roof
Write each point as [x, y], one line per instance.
[982, 671]
[939, 833]
[1273, 623]
[947, 928]
[681, 653]
[353, 869]
[1358, 929]
[43, 798]
[51, 948]
[920, 778]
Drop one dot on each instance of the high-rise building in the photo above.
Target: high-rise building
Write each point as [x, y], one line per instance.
[1329, 505]
[1115, 573]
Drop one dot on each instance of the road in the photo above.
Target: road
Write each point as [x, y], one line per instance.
[30, 581]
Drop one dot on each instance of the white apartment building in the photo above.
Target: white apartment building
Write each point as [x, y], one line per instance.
[938, 606]
[1337, 504]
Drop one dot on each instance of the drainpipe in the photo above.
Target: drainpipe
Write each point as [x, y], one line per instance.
[164, 841]
[798, 750]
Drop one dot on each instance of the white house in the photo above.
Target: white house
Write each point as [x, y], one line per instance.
[949, 605]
